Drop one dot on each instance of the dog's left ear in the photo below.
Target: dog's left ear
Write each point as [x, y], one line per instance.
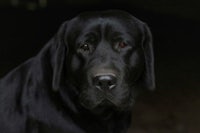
[149, 75]
[58, 53]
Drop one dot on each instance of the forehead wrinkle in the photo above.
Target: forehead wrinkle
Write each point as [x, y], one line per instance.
[104, 26]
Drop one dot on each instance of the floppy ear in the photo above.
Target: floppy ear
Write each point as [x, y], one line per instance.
[148, 76]
[58, 53]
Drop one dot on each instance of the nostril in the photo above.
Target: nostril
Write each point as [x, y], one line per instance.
[104, 82]
[110, 83]
[99, 84]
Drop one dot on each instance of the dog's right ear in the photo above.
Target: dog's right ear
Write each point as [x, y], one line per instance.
[59, 50]
[149, 75]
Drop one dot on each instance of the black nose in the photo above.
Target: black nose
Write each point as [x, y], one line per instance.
[105, 82]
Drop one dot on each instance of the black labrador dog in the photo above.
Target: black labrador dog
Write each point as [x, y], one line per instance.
[84, 80]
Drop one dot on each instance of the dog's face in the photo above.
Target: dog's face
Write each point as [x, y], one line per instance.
[106, 59]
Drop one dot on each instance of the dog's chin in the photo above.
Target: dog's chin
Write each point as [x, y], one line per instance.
[106, 108]
[103, 110]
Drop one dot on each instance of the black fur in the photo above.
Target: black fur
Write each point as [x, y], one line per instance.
[53, 92]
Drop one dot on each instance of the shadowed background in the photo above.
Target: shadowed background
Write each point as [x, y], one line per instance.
[26, 25]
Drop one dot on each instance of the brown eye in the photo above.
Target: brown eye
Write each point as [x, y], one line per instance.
[122, 44]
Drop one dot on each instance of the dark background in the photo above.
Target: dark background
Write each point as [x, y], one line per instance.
[26, 25]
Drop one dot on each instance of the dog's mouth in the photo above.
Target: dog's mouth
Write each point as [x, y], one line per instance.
[105, 109]
[103, 102]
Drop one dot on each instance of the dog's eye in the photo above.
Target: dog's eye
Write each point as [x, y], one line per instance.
[122, 44]
[84, 47]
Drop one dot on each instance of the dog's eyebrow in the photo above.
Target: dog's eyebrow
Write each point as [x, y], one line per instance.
[88, 36]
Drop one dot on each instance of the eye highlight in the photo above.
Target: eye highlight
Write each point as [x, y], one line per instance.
[85, 47]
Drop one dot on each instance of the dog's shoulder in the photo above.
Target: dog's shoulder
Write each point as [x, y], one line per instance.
[17, 75]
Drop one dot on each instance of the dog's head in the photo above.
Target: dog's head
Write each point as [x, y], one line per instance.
[107, 56]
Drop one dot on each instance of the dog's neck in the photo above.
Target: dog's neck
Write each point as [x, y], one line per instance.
[116, 122]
